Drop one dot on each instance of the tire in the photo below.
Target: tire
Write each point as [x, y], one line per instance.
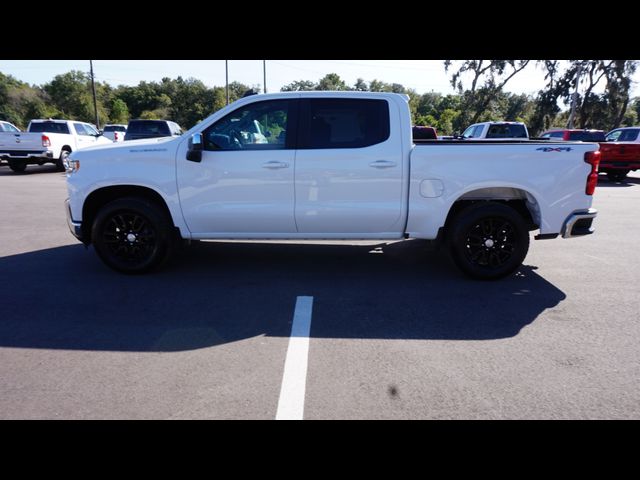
[132, 235]
[17, 166]
[617, 175]
[488, 241]
[60, 161]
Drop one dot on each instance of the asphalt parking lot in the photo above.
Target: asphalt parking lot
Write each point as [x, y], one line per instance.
[395, 332]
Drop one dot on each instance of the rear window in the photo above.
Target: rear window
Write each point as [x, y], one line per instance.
[346, 123]
[50, 127]
[152, 127]
[424, 133]
[597, 136]
[114, 128]
[507, 131]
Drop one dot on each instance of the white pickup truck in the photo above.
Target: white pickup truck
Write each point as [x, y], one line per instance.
[336, 165]
[47, 141]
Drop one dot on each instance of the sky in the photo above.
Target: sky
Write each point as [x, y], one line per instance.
[422, 75]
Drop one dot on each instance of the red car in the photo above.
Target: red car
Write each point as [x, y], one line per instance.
[617, 158]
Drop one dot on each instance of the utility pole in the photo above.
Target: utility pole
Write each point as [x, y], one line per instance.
[95, 102]
[264, 70]
[226, 69]
[574, 98]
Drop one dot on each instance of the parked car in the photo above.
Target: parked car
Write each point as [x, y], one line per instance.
[139, 129]
[114, 132]
[496, 131]
[345, 168]
[47, 141]
[424, 133]
[625, 134]
[8, 127]
[574, 135]
[619, 149]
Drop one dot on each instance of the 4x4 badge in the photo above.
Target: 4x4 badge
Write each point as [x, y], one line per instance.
[555, 149]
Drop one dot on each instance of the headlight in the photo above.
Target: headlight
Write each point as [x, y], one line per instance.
[71, 166]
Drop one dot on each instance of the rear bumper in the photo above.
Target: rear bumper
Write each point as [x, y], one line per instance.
[26, 155]
[579, 223]
[74, 227]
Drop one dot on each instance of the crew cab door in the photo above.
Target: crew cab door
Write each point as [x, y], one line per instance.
[349, 167]
[243, 185]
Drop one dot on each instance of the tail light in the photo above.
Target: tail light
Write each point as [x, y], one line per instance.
[593, 159]
[45, 141]
[115, 136]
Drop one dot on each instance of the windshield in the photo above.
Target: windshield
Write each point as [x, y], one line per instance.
[115, 128]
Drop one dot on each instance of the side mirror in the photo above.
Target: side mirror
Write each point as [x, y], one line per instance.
[194, 152]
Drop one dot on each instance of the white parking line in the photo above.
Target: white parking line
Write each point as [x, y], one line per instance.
[294, 380]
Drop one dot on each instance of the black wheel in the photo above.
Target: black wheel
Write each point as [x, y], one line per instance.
[132, 235]
[60, 166]
[617, 175]
[17, 166]
[488, 241]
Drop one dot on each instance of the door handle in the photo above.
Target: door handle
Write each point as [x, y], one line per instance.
[275, 165]
[383, 164]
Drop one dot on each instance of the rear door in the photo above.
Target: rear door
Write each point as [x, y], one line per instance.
[349, 167]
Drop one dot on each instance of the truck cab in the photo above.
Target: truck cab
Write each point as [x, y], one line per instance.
[496, 131]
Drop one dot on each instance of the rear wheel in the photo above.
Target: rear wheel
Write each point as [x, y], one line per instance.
[132, 235]
[488, 241]
[17, 166]
[60, 162]
[617, 175]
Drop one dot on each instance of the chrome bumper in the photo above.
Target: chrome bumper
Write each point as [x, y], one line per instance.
[74, 227]
[579, 223]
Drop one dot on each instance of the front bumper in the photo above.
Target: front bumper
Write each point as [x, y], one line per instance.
[74, 227]
[579, 223]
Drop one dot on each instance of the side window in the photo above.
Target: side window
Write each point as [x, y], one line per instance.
[80, 130]
[546, 135]
[90, 130]
[258, 126]
[628, 135]
[345, 123]
[613, 136]
[556, 135]
[468, 133]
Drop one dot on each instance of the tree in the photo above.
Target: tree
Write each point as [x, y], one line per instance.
[488, 78]
[119, 112]
[331, 81]
[299, 85]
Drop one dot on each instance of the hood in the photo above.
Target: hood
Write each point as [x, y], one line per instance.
[131, 144]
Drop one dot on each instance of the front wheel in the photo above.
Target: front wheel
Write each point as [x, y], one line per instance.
[132, 235]
[488, 241]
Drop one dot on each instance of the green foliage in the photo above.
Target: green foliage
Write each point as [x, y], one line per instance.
[480, 97]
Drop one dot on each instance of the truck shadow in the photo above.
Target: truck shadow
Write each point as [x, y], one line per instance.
[5, 171]
[221, 292]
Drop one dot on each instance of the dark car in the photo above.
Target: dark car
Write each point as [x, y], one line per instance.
[574, 135]
[424, 133]
[138, 129]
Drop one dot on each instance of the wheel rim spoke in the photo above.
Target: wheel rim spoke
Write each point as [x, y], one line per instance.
[490, 242]
[129, 237]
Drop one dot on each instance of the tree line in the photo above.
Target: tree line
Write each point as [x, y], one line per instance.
[479, 85]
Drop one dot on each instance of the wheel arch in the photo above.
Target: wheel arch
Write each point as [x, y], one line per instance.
[101, 196]
[521, 200]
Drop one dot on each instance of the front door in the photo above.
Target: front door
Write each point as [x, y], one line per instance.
[244, 185]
